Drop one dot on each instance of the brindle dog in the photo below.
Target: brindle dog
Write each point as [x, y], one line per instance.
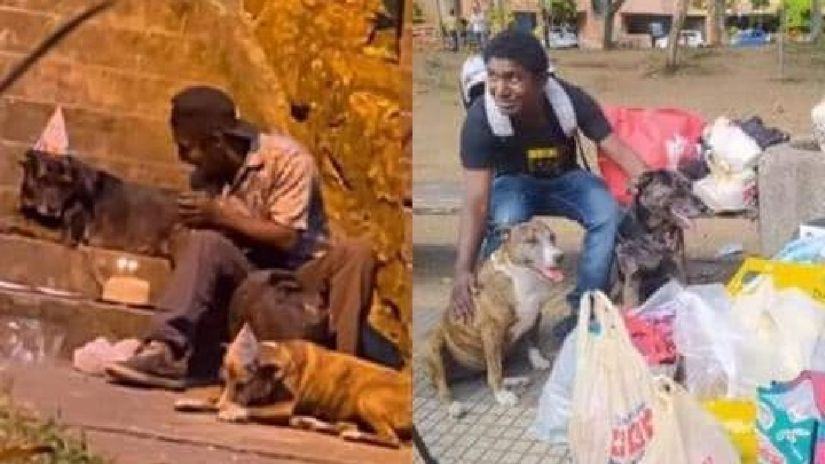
[650, 249]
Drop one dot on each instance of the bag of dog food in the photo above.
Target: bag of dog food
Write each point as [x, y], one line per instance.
[554, 404]
[663, 137]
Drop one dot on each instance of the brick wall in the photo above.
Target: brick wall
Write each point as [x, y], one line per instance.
[114, 77]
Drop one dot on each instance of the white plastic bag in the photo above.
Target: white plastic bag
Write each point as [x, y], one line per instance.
[783, 328]
[727, 193]
[732, 147]
[554, 404]
[613, 395]
[700, 437]
[708, 338]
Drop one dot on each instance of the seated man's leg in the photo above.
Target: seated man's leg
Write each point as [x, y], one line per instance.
[510, 204]
[584, 198]
[207, 263]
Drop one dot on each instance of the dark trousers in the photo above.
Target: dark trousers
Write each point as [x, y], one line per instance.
[210, 267]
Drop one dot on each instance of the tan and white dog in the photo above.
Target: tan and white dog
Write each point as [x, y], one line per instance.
[302, 384]
[514, 284]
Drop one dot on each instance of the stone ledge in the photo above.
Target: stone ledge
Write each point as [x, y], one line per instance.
[33, 262]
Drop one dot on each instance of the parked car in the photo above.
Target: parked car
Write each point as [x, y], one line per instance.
[750, 38]
[562, 37]
[687, 38]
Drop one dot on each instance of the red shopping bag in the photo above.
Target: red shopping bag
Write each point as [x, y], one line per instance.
[661, 136]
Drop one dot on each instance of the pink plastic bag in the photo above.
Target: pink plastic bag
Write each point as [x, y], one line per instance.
[654, 341]
[661, 136]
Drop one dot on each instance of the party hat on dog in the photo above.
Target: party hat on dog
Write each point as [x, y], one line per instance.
[54, 138]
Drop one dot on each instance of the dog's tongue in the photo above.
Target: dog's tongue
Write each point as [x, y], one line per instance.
[553, 273]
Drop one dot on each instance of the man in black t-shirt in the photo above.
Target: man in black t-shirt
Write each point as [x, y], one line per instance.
[518, 153]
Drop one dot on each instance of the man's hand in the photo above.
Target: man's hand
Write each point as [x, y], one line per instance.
[462, 296]
[197, 209]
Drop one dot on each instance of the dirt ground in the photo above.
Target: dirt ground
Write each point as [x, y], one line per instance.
[725, 82]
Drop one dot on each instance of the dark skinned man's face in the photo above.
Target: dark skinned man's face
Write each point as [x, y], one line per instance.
[513, 87]
[210, 155]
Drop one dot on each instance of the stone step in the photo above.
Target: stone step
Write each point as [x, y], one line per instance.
[182, 57]
[64, 324]
[172, 17]
[103, 89]
[79, 270]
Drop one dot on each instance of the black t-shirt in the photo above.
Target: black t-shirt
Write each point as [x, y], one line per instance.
[542, 152]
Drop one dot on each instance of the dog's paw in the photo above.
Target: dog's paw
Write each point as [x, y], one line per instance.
[538, 361]
[313, 424]
[457, 410]
[233, 414]
[506, 398]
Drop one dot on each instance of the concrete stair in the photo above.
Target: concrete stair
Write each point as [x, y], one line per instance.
[42, 265]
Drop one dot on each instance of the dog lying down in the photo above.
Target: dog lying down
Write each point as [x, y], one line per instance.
[95, 208]
[514, 285]
[306, 386]
[650, 249]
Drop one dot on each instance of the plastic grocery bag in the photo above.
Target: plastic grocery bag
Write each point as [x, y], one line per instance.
[732, 147]
[614, 398]
[727, 193]
[708, 338]
[554, 404]
[788, 421]
[702, 438]
[783, 328]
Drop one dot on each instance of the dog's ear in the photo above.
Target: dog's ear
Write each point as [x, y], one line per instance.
[245, 347]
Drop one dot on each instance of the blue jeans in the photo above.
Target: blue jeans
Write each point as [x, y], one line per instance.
[577, 195]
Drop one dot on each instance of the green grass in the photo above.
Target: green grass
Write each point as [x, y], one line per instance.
[19, 431]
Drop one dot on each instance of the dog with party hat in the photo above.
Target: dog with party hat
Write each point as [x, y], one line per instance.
[91, 206]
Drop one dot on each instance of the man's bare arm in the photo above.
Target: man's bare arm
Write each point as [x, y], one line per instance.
[470, 234]
[630, 162]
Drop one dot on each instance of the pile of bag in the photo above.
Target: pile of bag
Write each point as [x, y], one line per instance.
[731, 153]
[620, 412]
[604, 398]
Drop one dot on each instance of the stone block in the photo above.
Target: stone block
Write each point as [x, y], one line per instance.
[790, 191]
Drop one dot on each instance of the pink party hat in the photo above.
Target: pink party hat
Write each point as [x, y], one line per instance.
[54, 139]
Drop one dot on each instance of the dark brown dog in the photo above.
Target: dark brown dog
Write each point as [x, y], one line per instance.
[277, 307]
[650, 249]
[93, 207]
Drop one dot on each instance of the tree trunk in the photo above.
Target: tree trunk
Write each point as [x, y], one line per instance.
[610, 10]
[673, 37]
[721, 15]
[715, 22]
[816, 20]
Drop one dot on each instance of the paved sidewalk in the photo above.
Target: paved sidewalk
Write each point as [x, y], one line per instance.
[138, 426]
